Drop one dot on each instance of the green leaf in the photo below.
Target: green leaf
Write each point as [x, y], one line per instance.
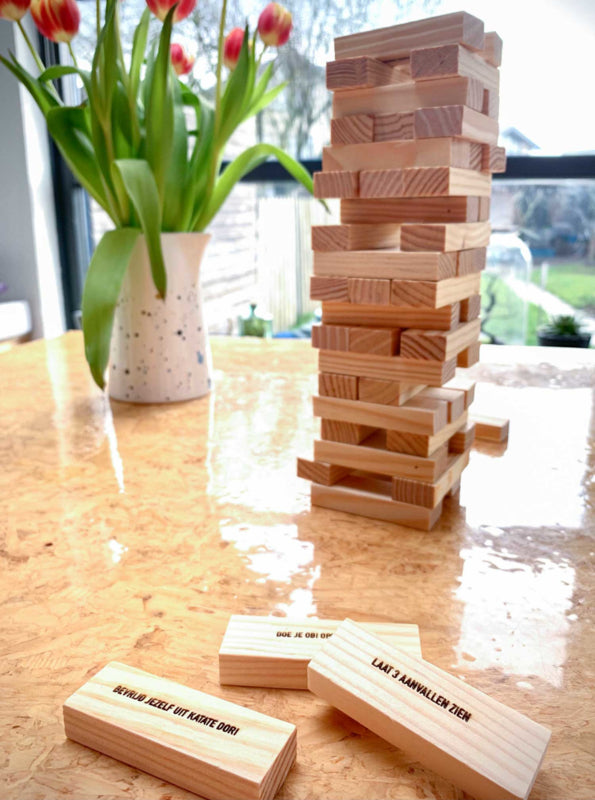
[59, 71]
[100, 295]
[141, 187]
[139, 44]
[237, 93]
[177, 172]
[40, 93]
[265, 100]
[159, 117]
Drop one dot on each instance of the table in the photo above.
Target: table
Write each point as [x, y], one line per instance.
[132, 533]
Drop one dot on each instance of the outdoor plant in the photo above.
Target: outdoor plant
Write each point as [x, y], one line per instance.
[563, 325]
[128, 142]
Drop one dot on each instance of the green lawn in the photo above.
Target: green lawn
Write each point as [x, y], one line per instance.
[573, 282]
[506, 320]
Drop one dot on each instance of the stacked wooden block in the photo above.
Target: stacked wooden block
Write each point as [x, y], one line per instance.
[413, 146]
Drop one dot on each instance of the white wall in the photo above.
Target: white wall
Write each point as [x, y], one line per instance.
[29, 260]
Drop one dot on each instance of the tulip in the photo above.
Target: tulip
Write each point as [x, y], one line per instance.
[274, 25]
[181, 61]
[232, 47]
[57, 20]
[161, 7]
[14, 9]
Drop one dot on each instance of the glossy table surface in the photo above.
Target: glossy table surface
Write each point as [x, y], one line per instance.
[132, 533]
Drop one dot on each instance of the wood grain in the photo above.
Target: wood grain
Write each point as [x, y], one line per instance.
[368, 291]
[390, 393]
[445, 182]
[378, 341]
[493, 158]
[318, 472]
[470, 308]
[462, 439]
[439, 345]
[429, 495]
[448, 237]
[336, 184]
[433, 294]
[394, 126]
[432, 373]
[362, 72]
[408, 417]
[421, 444]
[332, 385]
[329, 289]
[216, 749]
[456, 120]
[329, 238]
[330, 337]
[420, 210]
[492, 49]
[350, 433]
[450, 60]
[469, 261]
[386, 264]
[400, 154]
[382, 183]
[491, 429]
[468, 357]
[390, 316]
[352, 129]
[454, 399]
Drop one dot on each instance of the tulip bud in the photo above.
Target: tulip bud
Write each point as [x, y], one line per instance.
[232, 47]
[181, 61]
[14, 9]
[274, 25]
[57, 20]
[161, 7]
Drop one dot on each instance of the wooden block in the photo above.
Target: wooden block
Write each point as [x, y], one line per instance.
[484, 207]
[450, 60]
[206, 745]
[386, 264]
[381, 461]
[336, 184]
[454, 492]
[444, 182]
[469, 261]
[439, 345]
[463, 439]
[319, 472]
[354, 496]
[382, 183]
[492, 49]
[407, 370]
[397, 41]
[433, 293]
[353, 129]
[426, 210]
[420, 444]
[362, 72]
[418, 493]
[469, 356]
[493, 158]
[455, 121]
[407, 97]
[389, 393]
[409, 417]
[345, 432]
[400, 154]
[491, 429]
[330, 337]
[470, 308]
[369, 291]
[394, 126]
[448, 237]
[329, 289]
[454, 399]
[445, 318]
[328, 238]
[274, 652]
[333, 385]
[464, 385]
[380, 341]
[491, 103]
[485, 748]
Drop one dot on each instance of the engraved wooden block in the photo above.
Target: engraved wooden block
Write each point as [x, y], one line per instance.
[493, 158]
[382, 183]
[329, 289]
[433, 293]
[456, 120]
[439, 345]
[380, 341]
[469, 261]
[361, 72]
[454, 399]
[491, 429]
[419, 493]
[469, 356]
[328, 238]
[274, 652]
[409, 417]
[492, 49]
[395, 368]
[450, 60]
[206, 745]
[333, 385]
[463, 439]
[349, 433]
[424, 209]
[319, 472]
[388, 393]
[444, 319]
[385, 264]
[330, 337]
[352, 129]
[488, 750]
[448, 237]
[394, 125]
[421, 444]
[369, 291]
[336, 184]
[397, 41]
[401, 153]
[470, 308]
[445, 182]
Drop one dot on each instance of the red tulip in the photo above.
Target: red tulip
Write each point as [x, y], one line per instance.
[161, 7]
[57, 20]
[181, 61]
[274, 25]
[232, 47]
[14, 9]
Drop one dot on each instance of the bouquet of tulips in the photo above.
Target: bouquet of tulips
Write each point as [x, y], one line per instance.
[128, 142]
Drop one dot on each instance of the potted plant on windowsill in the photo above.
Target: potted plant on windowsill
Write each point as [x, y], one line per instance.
[159, 180]
[563, 331]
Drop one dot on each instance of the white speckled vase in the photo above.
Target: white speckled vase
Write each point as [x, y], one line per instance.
[159, 350]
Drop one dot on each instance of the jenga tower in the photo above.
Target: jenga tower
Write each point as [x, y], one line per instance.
[413, 146]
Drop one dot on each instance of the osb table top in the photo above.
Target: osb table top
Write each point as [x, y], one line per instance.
[131, 533]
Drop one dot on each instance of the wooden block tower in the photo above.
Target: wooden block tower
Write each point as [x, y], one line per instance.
[413, 146]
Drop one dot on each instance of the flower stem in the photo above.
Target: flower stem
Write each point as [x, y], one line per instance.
[220, 64]
[98, 16]
[34, 52]
[72, 55]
